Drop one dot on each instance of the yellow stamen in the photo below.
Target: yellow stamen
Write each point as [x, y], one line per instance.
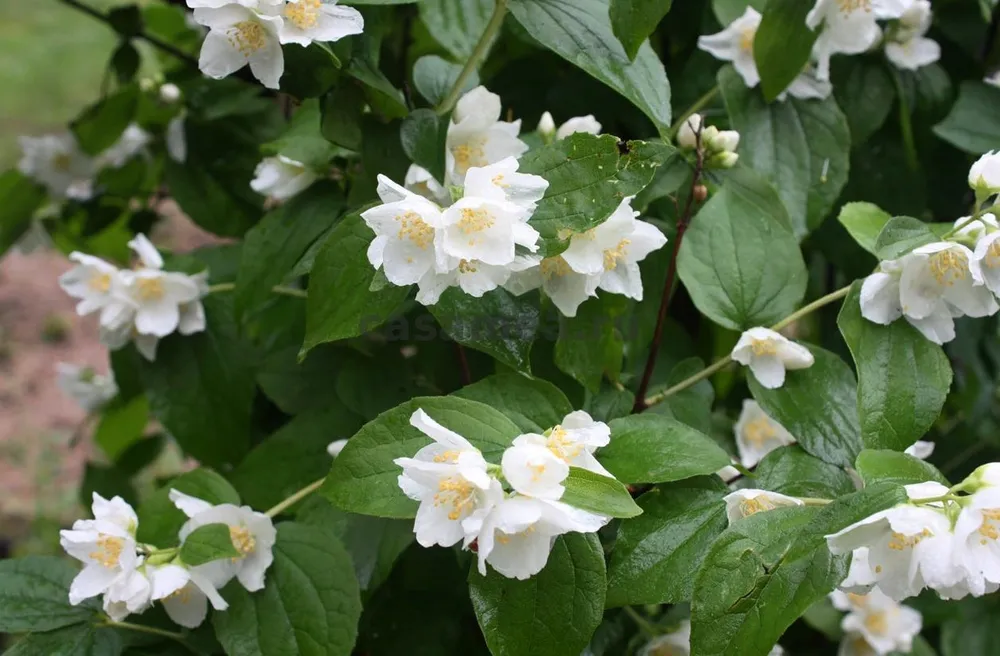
[746, 39]
[414, 228]
[304, 14]
[457, 493]
[474, 221]
[465, 266]
[899, 542]
[560, 444]
[447, 456]
[149, 289]
[988, 529]
[877, 622]
[753, 506]
[554, 267]
[992, 258]
[948, 266]
[242, 540]
[62, 162]
[759, 431]
[613, 257]
[849, 6]
[109, 550]
[469, 154]
[248, 37]
[100, 282]
[764, 347]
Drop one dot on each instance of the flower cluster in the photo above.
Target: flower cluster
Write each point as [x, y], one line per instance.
[875, 624]
[132, 576]
[89, 389]
[251, 32]
[463, 498]
[718, 147]
[57, 162]
[939, 539]
[845, 27]
[935, 283]
[141, 305]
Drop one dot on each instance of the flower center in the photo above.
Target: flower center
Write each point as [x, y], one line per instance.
[851, 6]
[948, 267]
[992, 258]
[447, 456]
[860, 601]
[182, 595]
[746, 39]
[613, 256]
[536, 472]
[242, 540]
[877, 622]
[248, 37]
[62, 162]
[474, 221]
[764, 347]
[753, 506]
[899, 542]
[457, 493]
[465, 266]
[561, 445]
[304, 13]
[469, 154]
[554, 267]
[988, 529]
[414, 228]
[759, 431]
[149, 289]
[498, 180]
[109, 550]
[100, 282]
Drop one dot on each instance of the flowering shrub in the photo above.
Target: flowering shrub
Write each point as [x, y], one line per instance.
[545, 327]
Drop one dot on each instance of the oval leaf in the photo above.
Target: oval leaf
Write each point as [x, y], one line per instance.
[534, 405]
[894, 467]
[207, 543]
[598, 494]
[34, 595]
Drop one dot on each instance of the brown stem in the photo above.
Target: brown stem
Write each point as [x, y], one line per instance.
[682, 224]
[463, 363]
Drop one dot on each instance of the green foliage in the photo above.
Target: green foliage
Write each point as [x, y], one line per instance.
[33, 595]
[207, 543]
[782, 45]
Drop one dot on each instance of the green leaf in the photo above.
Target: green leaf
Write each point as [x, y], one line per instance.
[749, 589]
[588, 178]
[742, 267]
[125, 62]
[272, 247]
[974, 631]
[598, 494]
[885, 466]
[302, 139]
[424, 135]
[790, 470]
[651, 448]
[293, 456]
[364, 477]
[106, 481]
[782, 45]
[160, 520]
[122, 424]
[76, 640]
[19, 199]
[127, 21]
[692, 406]
[798, 145]
[456, 24]
[434, 77]
[726, 11]
[973, 125]
[499, 324]
[633, 22]
[658, 553]
[554, 612]
[299, 386]
[894, 415]
[201, 387]
[207, 543]
[817, 406]
[310, 604]
[590, 347]
[864, 221]
[100, 125]
[864, 89]
[901, 235]
[310, 71]
[34, 595]
[610, 404]
[340, 304]
[342, 111]
[580, 32]
[534, 405]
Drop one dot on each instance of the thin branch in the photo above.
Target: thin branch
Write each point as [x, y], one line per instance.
[463, 364]
[475, 59]
[295, 498]
[277, 289]
[142, 629]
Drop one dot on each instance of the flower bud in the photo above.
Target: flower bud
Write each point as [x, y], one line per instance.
[687, 136]
[147, 84]
[726, 141]
[169, 93]
[723, 160]
[546, 126]
[984, 176]
[700, 194]
[987, 475]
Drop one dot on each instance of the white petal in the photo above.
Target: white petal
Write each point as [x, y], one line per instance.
[187, 504]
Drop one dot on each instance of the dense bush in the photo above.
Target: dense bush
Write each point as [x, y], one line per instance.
[705, 361]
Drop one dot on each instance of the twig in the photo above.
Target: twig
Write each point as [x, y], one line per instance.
[478, 54]
[142, 629]
[295, 498]
[463, 363]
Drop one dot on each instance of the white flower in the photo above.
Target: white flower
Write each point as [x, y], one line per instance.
[728, 473]
[449, 479]
[567, 288]
[477, 136]
[849, 27]
[420, 181]
[579, 125]
[974, 230]
[407, 234]
[860, 577]
[106, 546]
[993, 80]
[977, 533]
[334, 448]
[574, 441]
[884, 624]
[306, 21]
[185, 593]
[881, 304]
[93, 281]
[808, 86]
[501, 182]
[909, 49]
[909, 547]
[687, 135]
[129, 144]
[746, 502]
[281, 178]
[239, 36]
[56, 161]
[88, 388]
[473, 277]
[156, 296]
[546, 126]
[769, 355]
[252, 533]
[130, 593]
[984, 176]
[169, 93]
[675, 643]
[757, 434]
[920, 449]
[515, 537]
[941, 272]
[735, 44]
[532, 470]
[176, 139]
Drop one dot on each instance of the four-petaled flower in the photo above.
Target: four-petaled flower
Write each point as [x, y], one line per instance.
[769, 355]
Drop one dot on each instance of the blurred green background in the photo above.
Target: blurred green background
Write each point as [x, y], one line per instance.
[52, 60]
